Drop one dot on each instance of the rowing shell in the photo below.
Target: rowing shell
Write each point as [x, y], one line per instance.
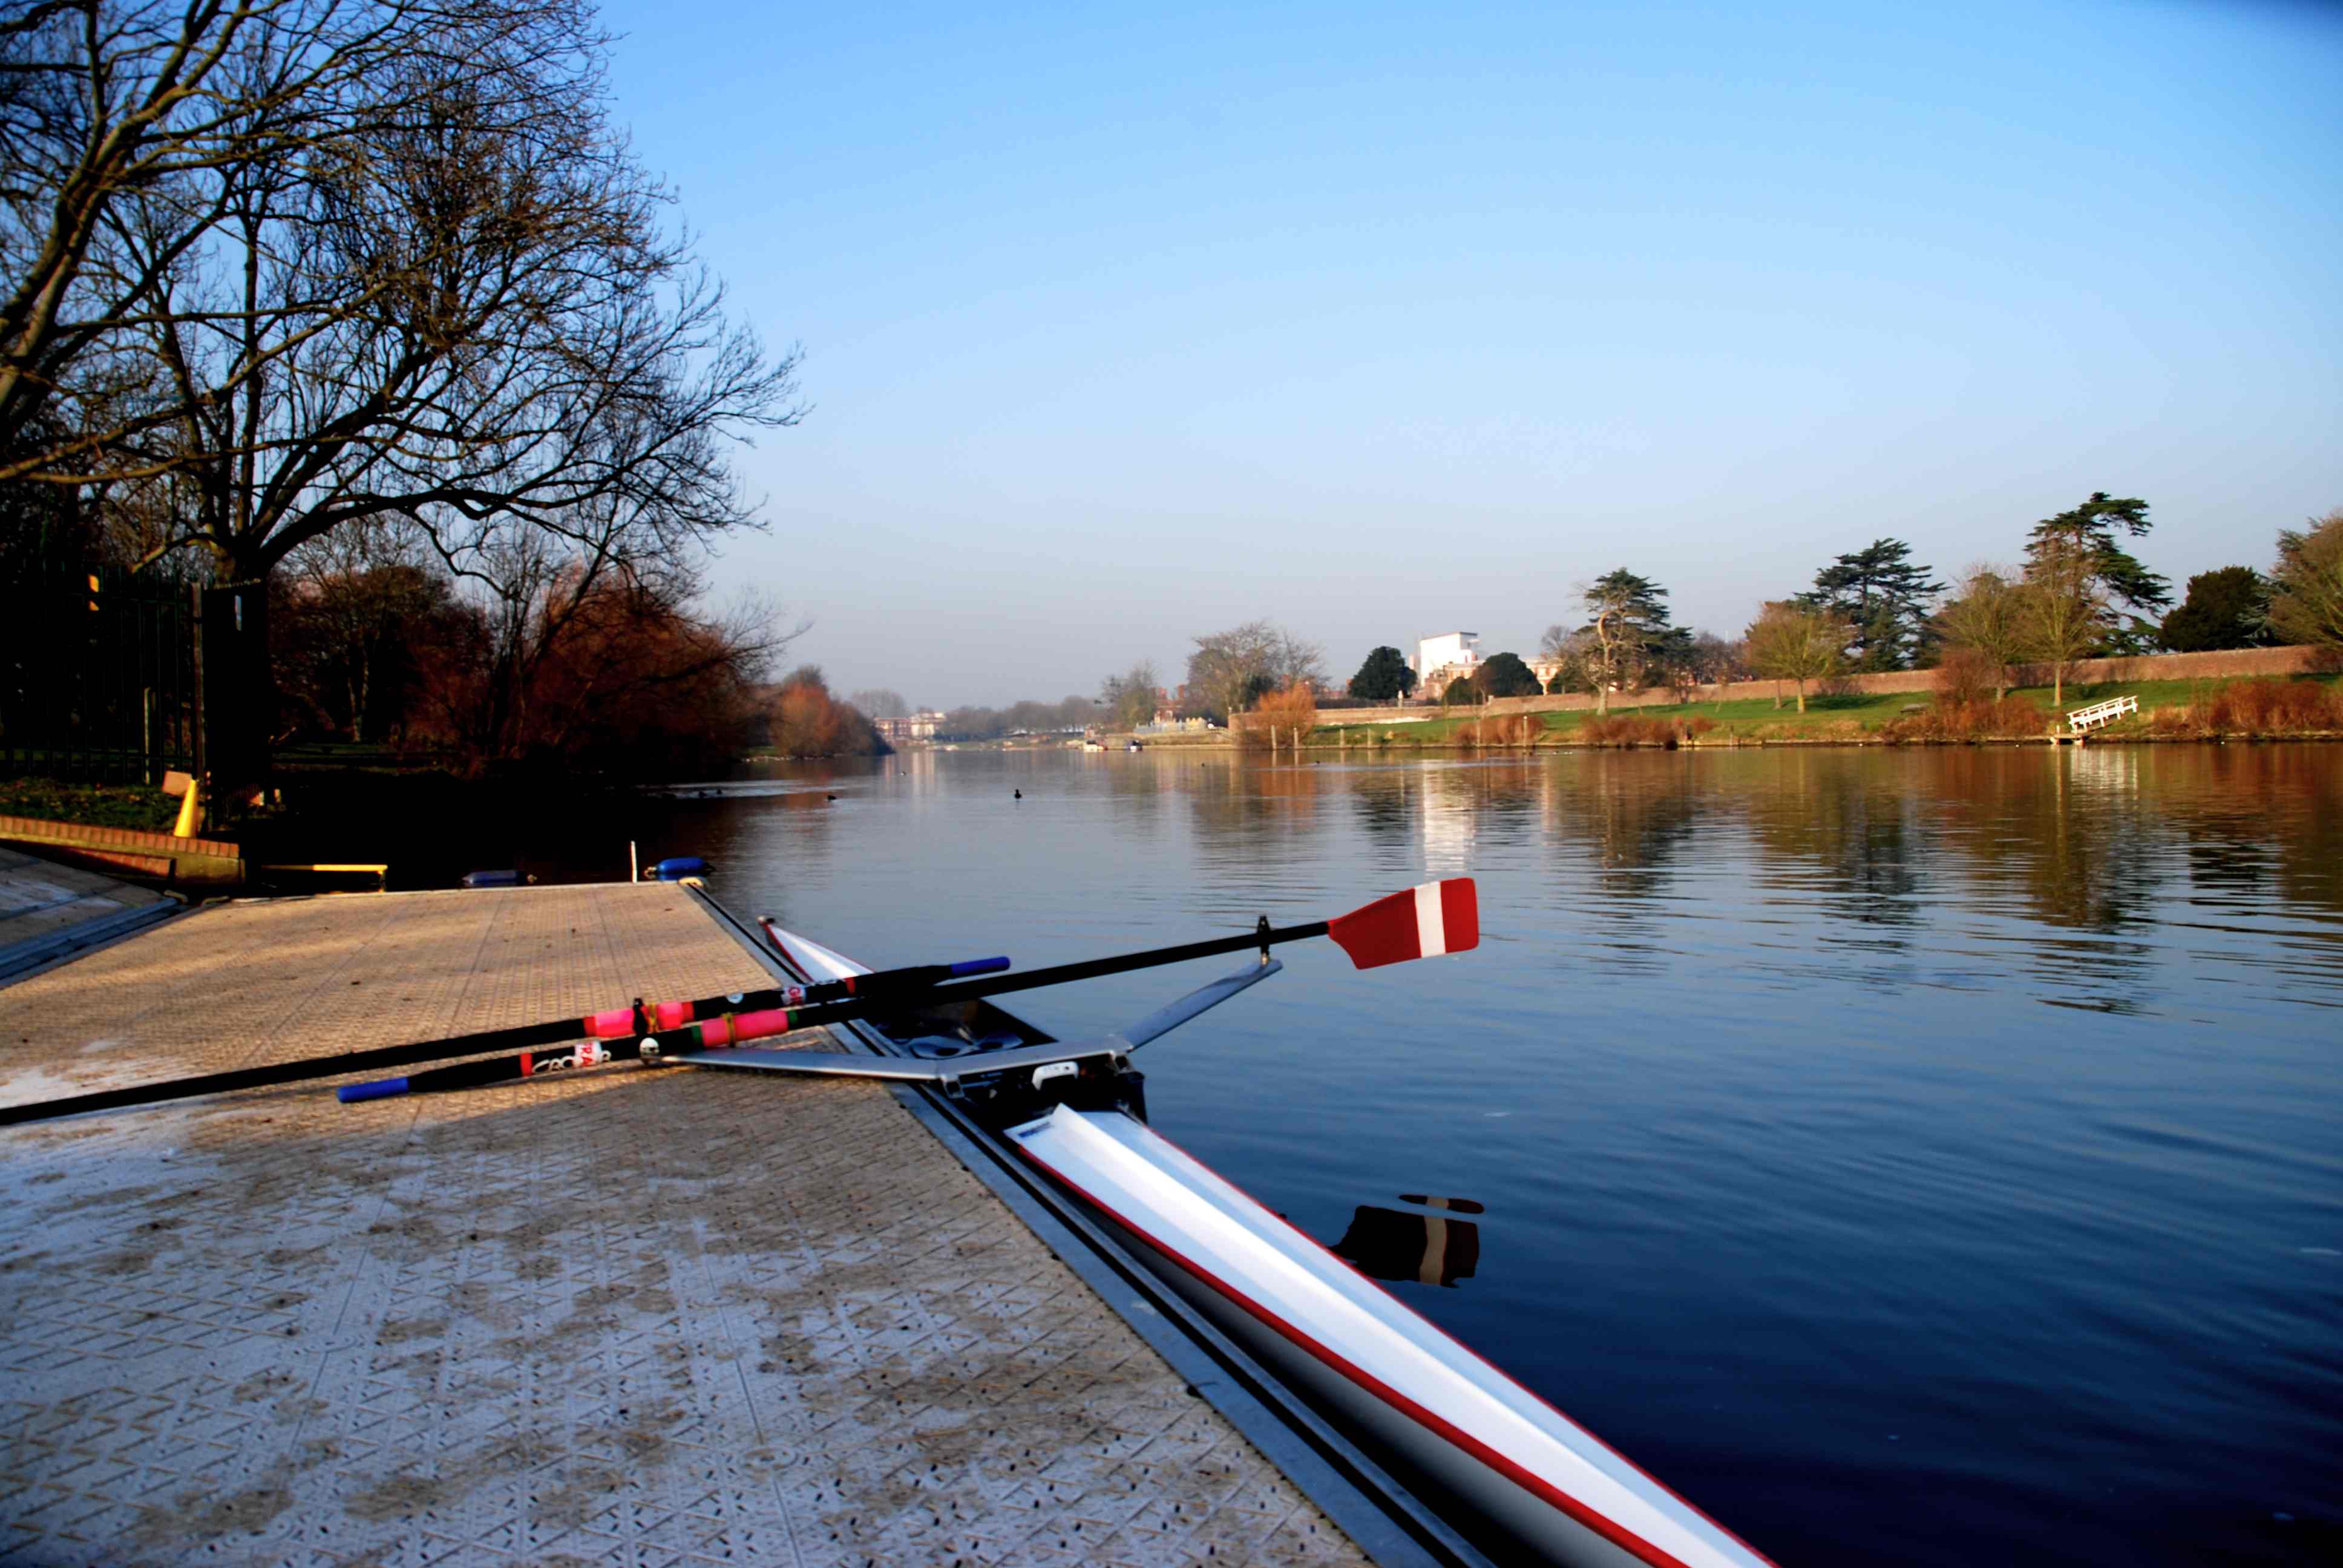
[1550, 1491]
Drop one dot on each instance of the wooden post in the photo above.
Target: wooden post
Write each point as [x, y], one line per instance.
[198, 749]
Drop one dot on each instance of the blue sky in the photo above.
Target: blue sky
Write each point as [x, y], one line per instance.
[1122, 326]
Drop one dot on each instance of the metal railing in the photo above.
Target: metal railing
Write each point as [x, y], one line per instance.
[2105, 713]
[99, 677]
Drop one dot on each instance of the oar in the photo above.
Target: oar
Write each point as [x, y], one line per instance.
[887, 986]
[1422, 922]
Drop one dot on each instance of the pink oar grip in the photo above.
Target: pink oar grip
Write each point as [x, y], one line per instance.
[618, 1022]
[734, 1027]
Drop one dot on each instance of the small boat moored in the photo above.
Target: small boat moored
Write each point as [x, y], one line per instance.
[1515, 1476]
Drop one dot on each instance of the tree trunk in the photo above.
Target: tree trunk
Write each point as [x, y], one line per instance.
[1802, 695]
[239, 705]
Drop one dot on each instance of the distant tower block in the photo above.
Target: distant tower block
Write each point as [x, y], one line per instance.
[1450, 655]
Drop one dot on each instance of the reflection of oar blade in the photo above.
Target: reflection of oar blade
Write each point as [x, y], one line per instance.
[1427, 1249]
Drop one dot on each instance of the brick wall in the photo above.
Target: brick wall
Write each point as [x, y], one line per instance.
[2226, 664]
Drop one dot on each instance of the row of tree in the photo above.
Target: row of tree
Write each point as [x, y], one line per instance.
[615, 677]
[2080, 593]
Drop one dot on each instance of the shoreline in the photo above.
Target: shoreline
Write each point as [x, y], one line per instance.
[1848, 742]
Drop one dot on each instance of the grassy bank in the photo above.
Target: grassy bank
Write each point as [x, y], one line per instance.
[93, 805]
[2169, 709]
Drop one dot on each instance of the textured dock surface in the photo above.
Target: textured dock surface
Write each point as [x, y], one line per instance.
[41, 899]
[632, 1316]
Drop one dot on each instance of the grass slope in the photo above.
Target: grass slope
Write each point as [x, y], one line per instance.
[93, 805]
[1856, 717]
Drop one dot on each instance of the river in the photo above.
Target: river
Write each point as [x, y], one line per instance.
[1915, 1156]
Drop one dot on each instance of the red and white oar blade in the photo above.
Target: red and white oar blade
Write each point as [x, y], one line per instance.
[1421, 923]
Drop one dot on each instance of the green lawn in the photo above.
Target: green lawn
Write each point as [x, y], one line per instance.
[95, 805]
[1825, 717]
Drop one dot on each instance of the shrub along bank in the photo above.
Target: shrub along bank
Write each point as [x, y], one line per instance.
[2300, 706]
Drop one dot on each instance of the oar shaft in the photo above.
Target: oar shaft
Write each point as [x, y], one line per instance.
[734, 1029]
[249, 1078]
[737, 1028]
[885, 987]
[1089, 969]
[494, 1070]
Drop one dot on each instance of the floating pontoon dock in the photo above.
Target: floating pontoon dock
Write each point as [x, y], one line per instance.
[631, 1316]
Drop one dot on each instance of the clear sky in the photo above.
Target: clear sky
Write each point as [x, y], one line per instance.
[1124, 324]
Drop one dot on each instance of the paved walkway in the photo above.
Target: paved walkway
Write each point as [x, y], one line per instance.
[634, 1316]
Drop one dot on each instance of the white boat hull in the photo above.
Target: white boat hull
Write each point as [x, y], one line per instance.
[1551, 1491]
[1538, 1487]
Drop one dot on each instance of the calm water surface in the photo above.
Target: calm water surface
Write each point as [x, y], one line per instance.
[1919, 1156]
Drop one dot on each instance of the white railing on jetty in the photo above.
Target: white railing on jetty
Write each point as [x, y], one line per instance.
[2085, 718]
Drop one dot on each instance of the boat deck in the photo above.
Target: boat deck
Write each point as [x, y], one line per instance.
[633, 1316]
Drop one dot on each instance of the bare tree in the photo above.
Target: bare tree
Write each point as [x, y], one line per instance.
[1129, 697]
[281, 268]
[1230, 669]
[1788, 641]
[133, 132]
[1984, 615]
[881, 702]
[384, 257]
[360, 590]
[2061, 608]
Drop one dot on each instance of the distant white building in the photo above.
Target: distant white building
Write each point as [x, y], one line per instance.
[1441, 660]
[919, 726]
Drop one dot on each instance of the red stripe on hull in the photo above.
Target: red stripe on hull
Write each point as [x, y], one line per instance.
[1528, 1480]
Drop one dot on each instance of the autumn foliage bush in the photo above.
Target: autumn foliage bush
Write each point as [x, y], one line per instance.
[1279, 716]
[1514, 729]
[1631, 729]
[1966, 674]
[610, 676]
[2272, 707]
[805, 720]
[1970, 718]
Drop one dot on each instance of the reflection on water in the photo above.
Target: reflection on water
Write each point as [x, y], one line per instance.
[1428, 1249]
[1913, 1156]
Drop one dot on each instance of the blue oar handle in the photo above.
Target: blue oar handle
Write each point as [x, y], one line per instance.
[978, 967]
[382, 1088]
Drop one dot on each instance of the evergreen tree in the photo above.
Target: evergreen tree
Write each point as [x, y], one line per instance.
[1625, 631]
[2225, 608]
[1505, 675]
[1384, 676]
[2125, 587]
[1883, 596]
[2307, 589]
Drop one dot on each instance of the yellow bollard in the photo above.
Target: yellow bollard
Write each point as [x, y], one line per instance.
[186, 827]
